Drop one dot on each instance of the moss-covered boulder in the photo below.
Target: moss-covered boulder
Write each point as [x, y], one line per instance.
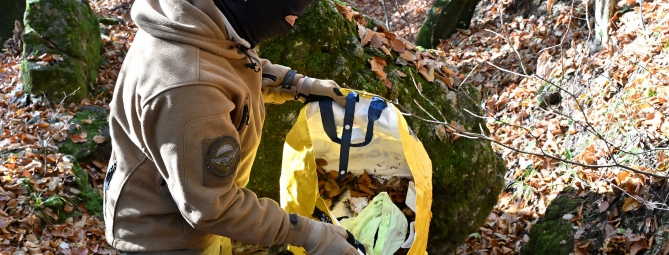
[62, 46]
[554, 233]
[443, 19]
[88, 135]
[468, 175]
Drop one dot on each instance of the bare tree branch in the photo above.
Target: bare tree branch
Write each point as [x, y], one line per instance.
[482, 137]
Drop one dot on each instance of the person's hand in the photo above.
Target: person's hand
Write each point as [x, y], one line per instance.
[310, 89]
[327, 239]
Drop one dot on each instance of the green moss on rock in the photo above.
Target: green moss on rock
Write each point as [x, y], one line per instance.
[98, 126]
[468, 175]
[88, 196]
[553, 234]
[443, 19]
[266, 171]
[70, 29]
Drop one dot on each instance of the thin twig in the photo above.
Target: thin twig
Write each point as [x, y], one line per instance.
[508, 71]
[643, 26]
[482, 137]
[428, 114]
[522, 65]
[22, 147]
[403, 15]
[650, 205]
[469, 74]
[467, 94]
[424, 97]
[646, 69]
[385, 11]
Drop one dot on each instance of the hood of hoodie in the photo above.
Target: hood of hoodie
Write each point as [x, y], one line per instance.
[257, 20]
[196, 22]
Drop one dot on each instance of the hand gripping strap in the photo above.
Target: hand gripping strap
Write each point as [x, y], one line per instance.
[376, 106]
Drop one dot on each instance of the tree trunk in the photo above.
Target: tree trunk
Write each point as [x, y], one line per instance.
[467, 174]
[604, 9]
[444, 18]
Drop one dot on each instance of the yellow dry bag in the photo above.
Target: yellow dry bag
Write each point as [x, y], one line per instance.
[369, 135]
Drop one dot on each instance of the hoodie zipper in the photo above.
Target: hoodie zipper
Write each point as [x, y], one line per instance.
[245, 116]
[245, 119]
[269, 76]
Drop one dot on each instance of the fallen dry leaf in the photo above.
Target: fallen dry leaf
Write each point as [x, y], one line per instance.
[638, 246]
[631, 204]
[603, 206]
[79, 138]
[99, 139]
[346, 10]
[408, 56]
[376, 40]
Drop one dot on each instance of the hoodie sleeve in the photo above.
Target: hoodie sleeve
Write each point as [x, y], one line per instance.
[279, 83]
[196, 148]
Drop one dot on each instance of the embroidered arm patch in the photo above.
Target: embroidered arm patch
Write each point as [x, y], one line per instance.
[222, 156]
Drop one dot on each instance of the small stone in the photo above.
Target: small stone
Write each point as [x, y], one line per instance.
[75, 191]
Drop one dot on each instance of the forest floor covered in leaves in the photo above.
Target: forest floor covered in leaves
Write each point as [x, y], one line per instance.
[605, 111]
[550, 99]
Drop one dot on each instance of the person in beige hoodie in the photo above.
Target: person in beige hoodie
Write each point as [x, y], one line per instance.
[186, 121]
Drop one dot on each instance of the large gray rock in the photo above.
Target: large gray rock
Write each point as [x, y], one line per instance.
[467, 174]
[68, 32]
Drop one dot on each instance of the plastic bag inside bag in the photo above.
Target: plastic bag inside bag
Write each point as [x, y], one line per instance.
[380, 227]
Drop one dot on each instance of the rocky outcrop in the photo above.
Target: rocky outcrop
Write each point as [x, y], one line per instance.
[468, 175]
[554, 233]
[62, 47]
[443, 19]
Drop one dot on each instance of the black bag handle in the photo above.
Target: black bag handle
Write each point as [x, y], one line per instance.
[376, 106]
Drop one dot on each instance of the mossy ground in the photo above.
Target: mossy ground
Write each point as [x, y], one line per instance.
[98, 126]
[467, 175]
[81, 151]
[88, 196]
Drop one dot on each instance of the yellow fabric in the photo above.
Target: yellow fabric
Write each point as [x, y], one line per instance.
[299, 181]
[421, 168]
[222, 246]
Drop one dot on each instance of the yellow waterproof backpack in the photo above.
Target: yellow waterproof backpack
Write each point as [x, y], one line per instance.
[368, 135]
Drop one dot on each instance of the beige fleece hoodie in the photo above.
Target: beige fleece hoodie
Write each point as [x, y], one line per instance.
[186, 121]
